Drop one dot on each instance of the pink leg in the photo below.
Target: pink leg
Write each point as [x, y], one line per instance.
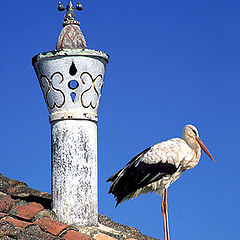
[165, 215]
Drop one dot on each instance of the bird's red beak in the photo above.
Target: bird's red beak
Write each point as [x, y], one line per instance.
[204, 148]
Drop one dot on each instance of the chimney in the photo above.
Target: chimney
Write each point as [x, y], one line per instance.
[71, 79]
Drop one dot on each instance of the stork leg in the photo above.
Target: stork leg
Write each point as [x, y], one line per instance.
[165, 215]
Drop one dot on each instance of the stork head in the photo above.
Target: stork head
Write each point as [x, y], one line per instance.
[191, 137]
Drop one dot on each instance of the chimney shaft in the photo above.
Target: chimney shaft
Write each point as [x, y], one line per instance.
[74, 171]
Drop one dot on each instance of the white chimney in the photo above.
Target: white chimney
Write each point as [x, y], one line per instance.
[71, 79]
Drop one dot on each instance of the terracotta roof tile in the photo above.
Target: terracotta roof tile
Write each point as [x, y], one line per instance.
[10, 181]
[36, 232]
[73, 235]
[8, 229]
[17, 223]
[6, 203]
[52, 226]
[25, 214]
[26, 236]
[102, 236]
[20, 189]
[27, 211]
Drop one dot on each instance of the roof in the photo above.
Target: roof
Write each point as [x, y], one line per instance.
[25, 213]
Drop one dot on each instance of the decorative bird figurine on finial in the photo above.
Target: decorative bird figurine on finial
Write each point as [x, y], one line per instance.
[157, 167]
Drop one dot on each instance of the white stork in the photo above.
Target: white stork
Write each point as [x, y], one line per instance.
[157, 167]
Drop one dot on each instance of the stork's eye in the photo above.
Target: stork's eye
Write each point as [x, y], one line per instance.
[195, 132]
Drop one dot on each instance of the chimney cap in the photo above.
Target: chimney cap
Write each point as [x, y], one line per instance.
[71, 36]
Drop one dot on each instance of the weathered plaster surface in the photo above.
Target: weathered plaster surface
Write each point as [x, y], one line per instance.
[71, 81]
[74, 171]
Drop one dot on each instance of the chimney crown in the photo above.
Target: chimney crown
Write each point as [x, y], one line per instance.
[71, 36]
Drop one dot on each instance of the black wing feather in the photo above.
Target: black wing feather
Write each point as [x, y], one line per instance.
[137, 157]
[138, 174]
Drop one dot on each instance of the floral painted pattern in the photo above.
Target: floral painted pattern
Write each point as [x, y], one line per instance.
[91, 95]
[54, 97]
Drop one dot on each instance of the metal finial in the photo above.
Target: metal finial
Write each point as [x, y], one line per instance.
[70, 15]
[79, 6]
[60, 7]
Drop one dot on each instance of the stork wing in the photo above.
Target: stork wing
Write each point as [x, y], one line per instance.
[140, 172]
[136, 158]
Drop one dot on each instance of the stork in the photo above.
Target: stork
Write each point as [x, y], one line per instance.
[157, 167]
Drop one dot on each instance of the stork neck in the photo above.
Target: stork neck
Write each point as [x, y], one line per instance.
[193, 144]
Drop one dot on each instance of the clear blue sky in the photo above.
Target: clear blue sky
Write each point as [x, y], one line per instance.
[171, 63]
